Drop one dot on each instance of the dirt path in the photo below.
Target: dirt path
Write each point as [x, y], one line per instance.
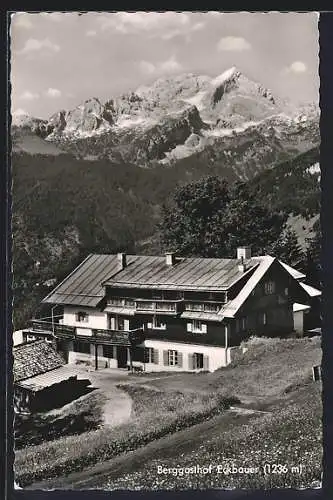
[169, 446]
[118, 407]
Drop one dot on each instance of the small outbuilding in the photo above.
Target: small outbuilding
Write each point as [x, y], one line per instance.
[42, 380]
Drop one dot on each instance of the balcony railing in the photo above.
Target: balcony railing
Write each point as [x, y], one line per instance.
[158, 305]
[94, 335]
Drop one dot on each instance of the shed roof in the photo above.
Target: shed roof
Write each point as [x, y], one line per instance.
[35, 358]
[40, 382]
[300, 307]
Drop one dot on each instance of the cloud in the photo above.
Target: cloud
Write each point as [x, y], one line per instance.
[171, 65]
[296, 67]
[21, 20]
[168, 35]
[233, 43]
[51, 92]
[91, 33]
[147, 67]
[34, 45]
[19, 112]
[165, 25]
[29, 96]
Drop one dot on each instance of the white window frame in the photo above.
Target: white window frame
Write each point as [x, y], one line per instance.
[269, 287]
[82, 317]
[263, 318]
[172, 357]
[199, 326]
[154, 325]
[196, 356]
[149, 355]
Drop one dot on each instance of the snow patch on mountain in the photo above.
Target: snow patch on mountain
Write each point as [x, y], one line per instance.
[128, 121]
[226, 75]
[197, 100]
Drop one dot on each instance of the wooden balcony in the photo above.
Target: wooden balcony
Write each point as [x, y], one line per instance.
[158, 306]
[96, 336]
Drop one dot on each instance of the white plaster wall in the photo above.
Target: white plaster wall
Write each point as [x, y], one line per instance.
[299, 322]
[18, 337]
[96, 319]
[103, 362]
[216, 355]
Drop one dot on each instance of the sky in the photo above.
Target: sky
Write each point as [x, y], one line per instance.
[58, 60]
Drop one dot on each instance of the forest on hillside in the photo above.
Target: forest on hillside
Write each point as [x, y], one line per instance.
[64, 209]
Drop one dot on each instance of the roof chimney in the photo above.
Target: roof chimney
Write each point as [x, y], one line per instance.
[170, 258]
[244, 252]
[122, 260]
[241, 265]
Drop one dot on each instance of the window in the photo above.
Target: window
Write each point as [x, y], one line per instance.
[197, 326]
[118, 322]
[83, 347]
[243, 323]
[172, 358]
[157, 294]
[262, 318]
[157, 324]
[286, 291]
[82, 317]
[151, 355]
[198, 361]
[212, 307]
[108, 351]
[269, 287]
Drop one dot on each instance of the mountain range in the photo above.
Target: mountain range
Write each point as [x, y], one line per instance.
[228, 120]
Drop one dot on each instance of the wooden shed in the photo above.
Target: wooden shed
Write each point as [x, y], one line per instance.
[42, 380]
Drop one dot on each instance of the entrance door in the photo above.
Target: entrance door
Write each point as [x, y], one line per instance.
[122, 356]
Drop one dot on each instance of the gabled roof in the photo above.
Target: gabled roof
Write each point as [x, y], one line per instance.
[310, 290]
[297, 275]
[190, 273]
[85, 285]
[35, 358]
[231, 308]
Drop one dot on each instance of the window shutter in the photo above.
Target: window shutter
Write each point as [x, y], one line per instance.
[204, 327]
[206, 363]
[190, 362]
[180, 359]
[165, 358]
[156, 356]
[189, 327]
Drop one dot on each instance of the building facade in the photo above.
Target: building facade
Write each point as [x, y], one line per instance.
[168, 313]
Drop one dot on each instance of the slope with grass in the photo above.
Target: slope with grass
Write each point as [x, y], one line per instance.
[182, 420]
